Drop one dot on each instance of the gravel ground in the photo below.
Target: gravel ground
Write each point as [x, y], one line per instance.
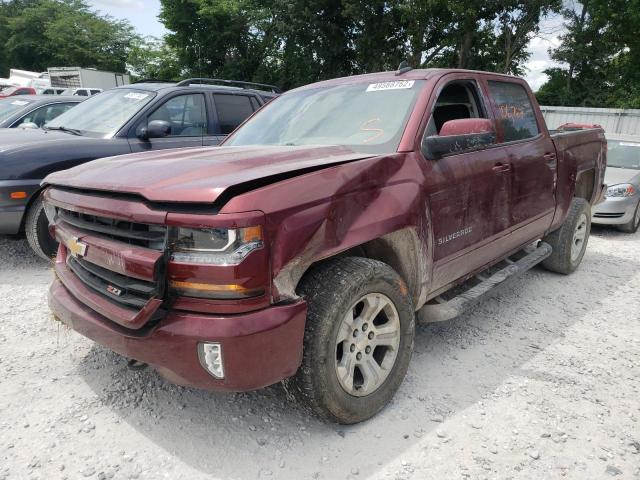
[539, 382]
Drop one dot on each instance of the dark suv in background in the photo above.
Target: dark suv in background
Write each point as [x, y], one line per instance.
[148, 115]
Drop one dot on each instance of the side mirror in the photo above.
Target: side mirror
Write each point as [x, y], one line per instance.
[29, 125]
[155, 129]
[458, 136]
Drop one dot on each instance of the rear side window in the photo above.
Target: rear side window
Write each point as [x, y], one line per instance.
[232, 110]
[514, 111]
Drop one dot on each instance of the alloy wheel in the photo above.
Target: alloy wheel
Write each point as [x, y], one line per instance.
[367, 344]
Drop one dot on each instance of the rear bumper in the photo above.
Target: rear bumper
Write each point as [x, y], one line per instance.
[258, 348]
[615, 210]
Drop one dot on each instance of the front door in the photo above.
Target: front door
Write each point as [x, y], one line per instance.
[187, 115]
[468, 191]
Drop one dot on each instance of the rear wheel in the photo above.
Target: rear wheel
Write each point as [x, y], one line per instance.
[36, 229]
[634, 223]
[569, 242]
[358, 339]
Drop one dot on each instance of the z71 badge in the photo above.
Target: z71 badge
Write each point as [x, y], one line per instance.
[114, 290]
[454, 235]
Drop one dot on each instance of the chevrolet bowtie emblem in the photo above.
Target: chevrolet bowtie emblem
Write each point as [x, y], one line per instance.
[76, 247]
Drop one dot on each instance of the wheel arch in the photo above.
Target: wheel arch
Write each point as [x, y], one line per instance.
[402, 250]
[585, 185]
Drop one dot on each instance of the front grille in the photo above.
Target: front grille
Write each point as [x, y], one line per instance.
[128, 292]
[139, 234]
[608, 215]
[122, 237]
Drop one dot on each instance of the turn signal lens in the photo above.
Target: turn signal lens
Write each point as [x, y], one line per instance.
[208, 290]
[18, 195]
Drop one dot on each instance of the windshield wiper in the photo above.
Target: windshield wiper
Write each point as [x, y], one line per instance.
[65, 129]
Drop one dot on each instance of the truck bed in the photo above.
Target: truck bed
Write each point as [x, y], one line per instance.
[581, 161]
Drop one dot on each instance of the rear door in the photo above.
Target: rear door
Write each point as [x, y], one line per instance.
[531, 155]
[186, 112]
[231, 109]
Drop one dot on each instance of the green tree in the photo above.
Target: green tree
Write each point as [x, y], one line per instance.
[293, 42]
[43, 33]
[599, 56]
[151, 57]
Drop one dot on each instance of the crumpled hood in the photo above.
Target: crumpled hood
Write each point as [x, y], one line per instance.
[197, 174]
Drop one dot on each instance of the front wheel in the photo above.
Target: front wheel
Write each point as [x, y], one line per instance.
[358, 339]
[36, 229]
[634, 223]
[569, 242]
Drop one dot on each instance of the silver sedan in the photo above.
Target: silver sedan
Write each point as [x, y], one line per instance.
[621, 206]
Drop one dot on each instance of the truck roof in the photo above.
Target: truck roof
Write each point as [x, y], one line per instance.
[414, 74]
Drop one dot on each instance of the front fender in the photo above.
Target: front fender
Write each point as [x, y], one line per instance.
[321, 214]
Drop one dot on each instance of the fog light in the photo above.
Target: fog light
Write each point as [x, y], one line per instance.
[210, 355]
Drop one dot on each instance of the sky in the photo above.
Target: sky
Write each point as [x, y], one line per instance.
[143, 15]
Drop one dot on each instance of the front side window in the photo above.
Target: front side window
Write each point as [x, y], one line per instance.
[514, 111]
[103, 115]
[232, 110]
[45, 114]
[458, 122]
[367, 117]
[187, 115]
[456, 101]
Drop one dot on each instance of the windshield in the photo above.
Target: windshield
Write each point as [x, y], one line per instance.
[621, 154]
[366, 117]
[103, 115]
[9, 106]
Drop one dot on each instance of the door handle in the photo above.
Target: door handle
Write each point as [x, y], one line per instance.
[550, 157]
[501, 167]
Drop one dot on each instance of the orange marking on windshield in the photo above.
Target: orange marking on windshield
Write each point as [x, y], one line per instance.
[378, 132]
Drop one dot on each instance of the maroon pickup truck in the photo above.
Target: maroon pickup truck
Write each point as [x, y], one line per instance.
[306, 247]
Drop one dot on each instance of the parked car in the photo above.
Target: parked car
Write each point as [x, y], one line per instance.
[11, 91]
[622, 203]
[131, 118]
[53, 91]
[302, 248]
[83, 92]
[33, 110]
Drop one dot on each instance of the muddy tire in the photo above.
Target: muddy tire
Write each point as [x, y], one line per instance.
[358, 339]
[36, 229]
[569, 242]
[633, 224]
